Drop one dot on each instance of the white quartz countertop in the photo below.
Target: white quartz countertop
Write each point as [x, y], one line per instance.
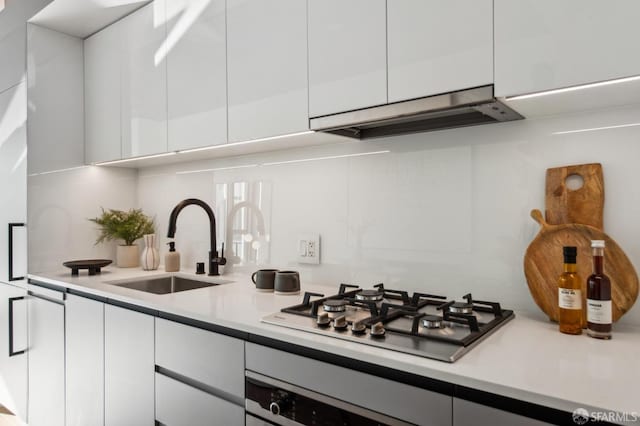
[526, 359]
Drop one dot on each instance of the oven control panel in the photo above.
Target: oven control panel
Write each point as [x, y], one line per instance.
[285, 404]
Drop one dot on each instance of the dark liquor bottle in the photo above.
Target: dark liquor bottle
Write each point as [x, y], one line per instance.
[599, 316]
[570, 316]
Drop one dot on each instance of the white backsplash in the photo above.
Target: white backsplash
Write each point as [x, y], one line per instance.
[444, 212]
[59, 206]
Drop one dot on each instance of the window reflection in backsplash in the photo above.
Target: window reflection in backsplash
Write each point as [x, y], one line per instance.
[243, 209]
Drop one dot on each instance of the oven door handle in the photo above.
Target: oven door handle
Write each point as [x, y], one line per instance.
[260, 384]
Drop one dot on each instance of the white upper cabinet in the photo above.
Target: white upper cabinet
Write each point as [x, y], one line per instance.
[438, 46]
[347, 55]
[102, 53]
[13, 39]
[13, 182]
[546, 44]
[197, 73]
[55, 96]
[144, 81]
[267, 43]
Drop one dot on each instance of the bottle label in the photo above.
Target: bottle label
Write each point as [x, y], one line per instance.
[599, 311]
[569, 298]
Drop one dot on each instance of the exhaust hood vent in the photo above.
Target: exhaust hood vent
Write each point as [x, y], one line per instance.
[457, 109]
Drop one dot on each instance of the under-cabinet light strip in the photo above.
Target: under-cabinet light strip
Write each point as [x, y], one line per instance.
[232, 144]
[206, 148]
[58, 171]
[593, 129]
[188, 172]
[573, 88]
[303, 160]
[127, 160]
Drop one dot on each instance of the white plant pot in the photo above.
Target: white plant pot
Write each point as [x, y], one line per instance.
[127, 256]
[150, 259]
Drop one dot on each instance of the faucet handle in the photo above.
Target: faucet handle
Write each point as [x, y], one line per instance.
[221, 260]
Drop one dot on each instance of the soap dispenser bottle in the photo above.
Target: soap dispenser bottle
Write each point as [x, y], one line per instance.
[172, 259]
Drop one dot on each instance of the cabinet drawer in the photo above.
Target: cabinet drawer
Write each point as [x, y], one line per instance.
[210, 358]
[180, 404]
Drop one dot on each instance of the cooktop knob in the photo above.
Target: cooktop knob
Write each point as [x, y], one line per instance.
[323, 319]
[340, 323]
[377, 330]
[358, 327]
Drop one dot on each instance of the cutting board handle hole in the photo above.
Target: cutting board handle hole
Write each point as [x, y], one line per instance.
[574, 182]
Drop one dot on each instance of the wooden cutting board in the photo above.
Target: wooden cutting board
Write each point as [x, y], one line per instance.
[543, 265]
[585, 205]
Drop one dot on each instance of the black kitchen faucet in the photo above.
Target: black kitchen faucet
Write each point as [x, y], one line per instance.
[214, 260]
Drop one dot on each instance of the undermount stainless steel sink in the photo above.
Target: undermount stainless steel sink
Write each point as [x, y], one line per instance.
[166, 284]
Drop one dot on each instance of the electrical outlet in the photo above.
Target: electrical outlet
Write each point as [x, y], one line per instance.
[309, 248]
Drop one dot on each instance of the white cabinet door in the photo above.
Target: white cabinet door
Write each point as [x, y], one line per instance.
[84, 328]
[46, 361]
[144, 82]
[267, 43]
[347, 55]
[13, 182]
[467, 413]
[13, 343]
[102, 56]
[210, 358]
[179, 404]
[129, 368]
[436, 47]
[546, 44]
[56, 100]
[13, 39]
[197, 73]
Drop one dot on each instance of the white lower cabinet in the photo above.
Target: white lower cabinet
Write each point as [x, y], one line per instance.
[200, 377]
[46, 358]
[13, 344]
[128, 368]
[211, 358]
[467, 413]
[84, 340]
[178, 404]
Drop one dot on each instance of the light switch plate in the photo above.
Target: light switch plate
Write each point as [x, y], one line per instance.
[309, 248]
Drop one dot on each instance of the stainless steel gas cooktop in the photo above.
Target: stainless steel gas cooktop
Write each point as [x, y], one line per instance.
[421, 324]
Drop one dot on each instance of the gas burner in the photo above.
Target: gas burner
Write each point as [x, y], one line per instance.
[432, 321]
[333, 305]
[369, 295]
[461, 308]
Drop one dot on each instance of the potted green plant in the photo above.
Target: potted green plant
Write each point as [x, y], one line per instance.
[127, 226]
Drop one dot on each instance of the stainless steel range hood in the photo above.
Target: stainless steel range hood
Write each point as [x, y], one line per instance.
[456, 109]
